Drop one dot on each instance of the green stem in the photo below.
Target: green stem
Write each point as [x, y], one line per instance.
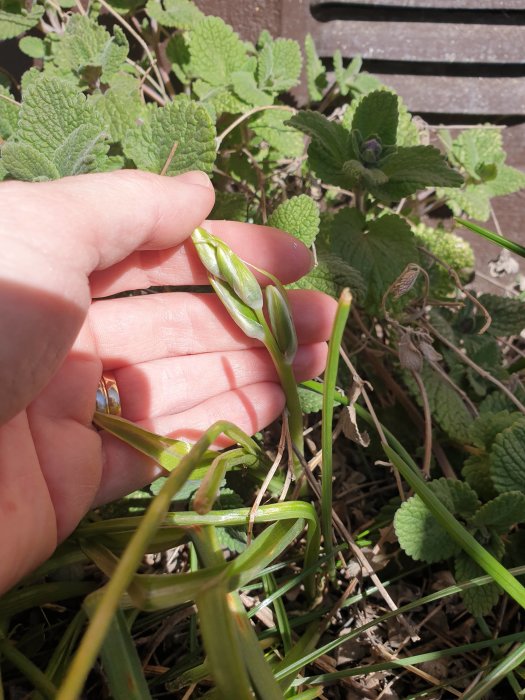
[511, 661]
[40, 681]
[130, 560]
[494, 237]
[289, 385]
[332, 364]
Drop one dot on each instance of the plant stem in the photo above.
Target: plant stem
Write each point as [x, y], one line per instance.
[494, 237]
[341, 317]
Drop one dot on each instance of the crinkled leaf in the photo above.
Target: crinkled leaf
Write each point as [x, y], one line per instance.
[219, 99]
[454, 250]
[279, 65]
[413, 168]
[8, 113]
[508, 314]
[229, 205]
[331, 275]
[86, 45]
[507, 459]
[330, 148]
[502, 512]
[182, 14]
[270, 126]
[507, 181]
[183, 122]
[476, 472]
[446, 406]
[376, 114]
[419, 533]
[476, 147]
[311, 401]
[120, 107]
[216, 52]
[245, 87]
[23, 162]
[57, 122]
[472, 201]
[486, 427]
[298, 216]
[480, 600]
[17, 22]
[380, 253]
[345, 77]
[316, 80]
[178, 53]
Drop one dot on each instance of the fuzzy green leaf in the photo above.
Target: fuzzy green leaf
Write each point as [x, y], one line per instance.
[120, 107]
[346, 77]
[182, 14]
[298, 216]
[486, 427]
[23, 162]
[479, 601]
[476, 472]
[86, 48]
[178, 53]
[331, 275]
[279, 65]
[56, 121]
[376, 115]
[419, 533]
[183, 122]
[413, 168]
[502, 512]
[315, 71]
[330, 148]
[476, 147]
[507, 181]
[472, 201]
[507, 459]
[381, 253]
[245, 87]
[15, 23]
[269, 126]
[311, 401]
[216, 52]
[508, 314]
[8, 113]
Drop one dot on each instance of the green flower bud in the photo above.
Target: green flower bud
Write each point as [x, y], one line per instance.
[281, 322]
[206, 247]
[244, 316]
[240, 277]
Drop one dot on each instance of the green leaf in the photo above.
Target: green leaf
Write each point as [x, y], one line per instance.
[419, 533]
[502, 512]
[311, 401]
[120, 107]
[23, 162]
[178, 53]
[216, 52]
[88, 50]
[15, 23]
[486, 427]
[479, 601]
[182, 14]
[229, 205]
[183, 122]
[298, 216]
[330, 148]
[413, 168]
[331, 275]
[380, 253]
[269, 126]
[475, 147]
[8, 113]
[476, 472]
[508, 314]
[507, 181]
[472, 201]
[245, 87]
[279, 65]
[507, 459]
[454, 250]
[56, 121]
[32, 46]
[316, 80]
[446, 406]
[376, 115]
[345, 77]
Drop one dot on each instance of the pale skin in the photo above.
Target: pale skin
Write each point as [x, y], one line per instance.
[179, 360]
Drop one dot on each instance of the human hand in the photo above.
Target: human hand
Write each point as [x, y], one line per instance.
[179, 360]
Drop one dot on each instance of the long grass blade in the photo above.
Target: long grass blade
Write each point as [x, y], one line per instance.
[494, 237]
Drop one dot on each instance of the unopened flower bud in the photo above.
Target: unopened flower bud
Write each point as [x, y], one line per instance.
[281, 322]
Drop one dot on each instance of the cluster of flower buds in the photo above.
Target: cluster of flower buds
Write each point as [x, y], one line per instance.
[241, 294]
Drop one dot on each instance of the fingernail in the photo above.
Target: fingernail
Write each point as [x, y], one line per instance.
[195, 177]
